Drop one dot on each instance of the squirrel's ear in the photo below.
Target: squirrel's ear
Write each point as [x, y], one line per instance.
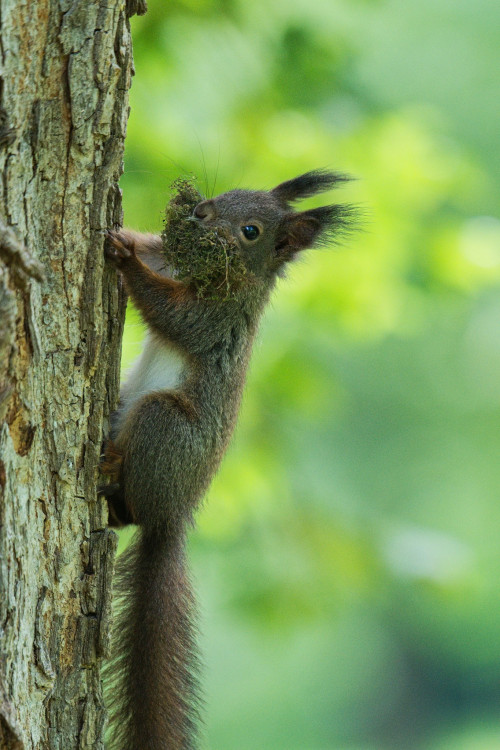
[307, 228]
[307, 184]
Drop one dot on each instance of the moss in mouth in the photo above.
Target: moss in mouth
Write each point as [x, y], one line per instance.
[207, 258]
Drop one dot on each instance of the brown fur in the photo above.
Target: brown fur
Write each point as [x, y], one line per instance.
[111, 461]
[172, 441]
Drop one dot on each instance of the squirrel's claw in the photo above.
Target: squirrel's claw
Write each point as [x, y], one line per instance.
[118, 247]
[108, 489]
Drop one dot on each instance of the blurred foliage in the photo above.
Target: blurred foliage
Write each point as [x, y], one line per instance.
[347, 558]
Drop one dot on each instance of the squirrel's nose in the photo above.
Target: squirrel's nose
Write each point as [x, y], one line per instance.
[204, 210]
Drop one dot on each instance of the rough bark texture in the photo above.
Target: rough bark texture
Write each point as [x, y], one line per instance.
[66, 67]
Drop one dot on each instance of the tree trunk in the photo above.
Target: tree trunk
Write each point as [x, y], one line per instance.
[66, 67]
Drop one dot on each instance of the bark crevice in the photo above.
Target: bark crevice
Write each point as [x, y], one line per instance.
[61, 318]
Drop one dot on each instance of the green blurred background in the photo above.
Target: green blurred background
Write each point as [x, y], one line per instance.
[347, 558]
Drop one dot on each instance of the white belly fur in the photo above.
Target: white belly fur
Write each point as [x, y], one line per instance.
[159, 367]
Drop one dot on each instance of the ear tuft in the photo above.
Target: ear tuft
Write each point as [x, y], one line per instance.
[336, 221]
[318, 226]
[308, 184]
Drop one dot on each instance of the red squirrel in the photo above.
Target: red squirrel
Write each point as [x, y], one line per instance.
[177, 411]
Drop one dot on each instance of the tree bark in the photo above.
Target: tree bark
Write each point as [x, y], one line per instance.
[66, 67]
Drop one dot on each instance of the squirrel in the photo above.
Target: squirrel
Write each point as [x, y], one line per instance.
[177, 411]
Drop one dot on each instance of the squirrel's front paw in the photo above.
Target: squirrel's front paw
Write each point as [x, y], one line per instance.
[119, 247]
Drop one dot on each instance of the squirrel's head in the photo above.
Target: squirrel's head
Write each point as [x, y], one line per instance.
[266, 229]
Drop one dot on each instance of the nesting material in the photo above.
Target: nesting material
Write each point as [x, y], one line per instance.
[206, 258]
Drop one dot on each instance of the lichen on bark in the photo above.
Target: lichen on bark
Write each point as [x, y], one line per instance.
[66, 68]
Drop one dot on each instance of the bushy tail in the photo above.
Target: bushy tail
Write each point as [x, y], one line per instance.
[151, 680]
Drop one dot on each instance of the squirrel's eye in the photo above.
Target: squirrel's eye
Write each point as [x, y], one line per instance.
[251, 232]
